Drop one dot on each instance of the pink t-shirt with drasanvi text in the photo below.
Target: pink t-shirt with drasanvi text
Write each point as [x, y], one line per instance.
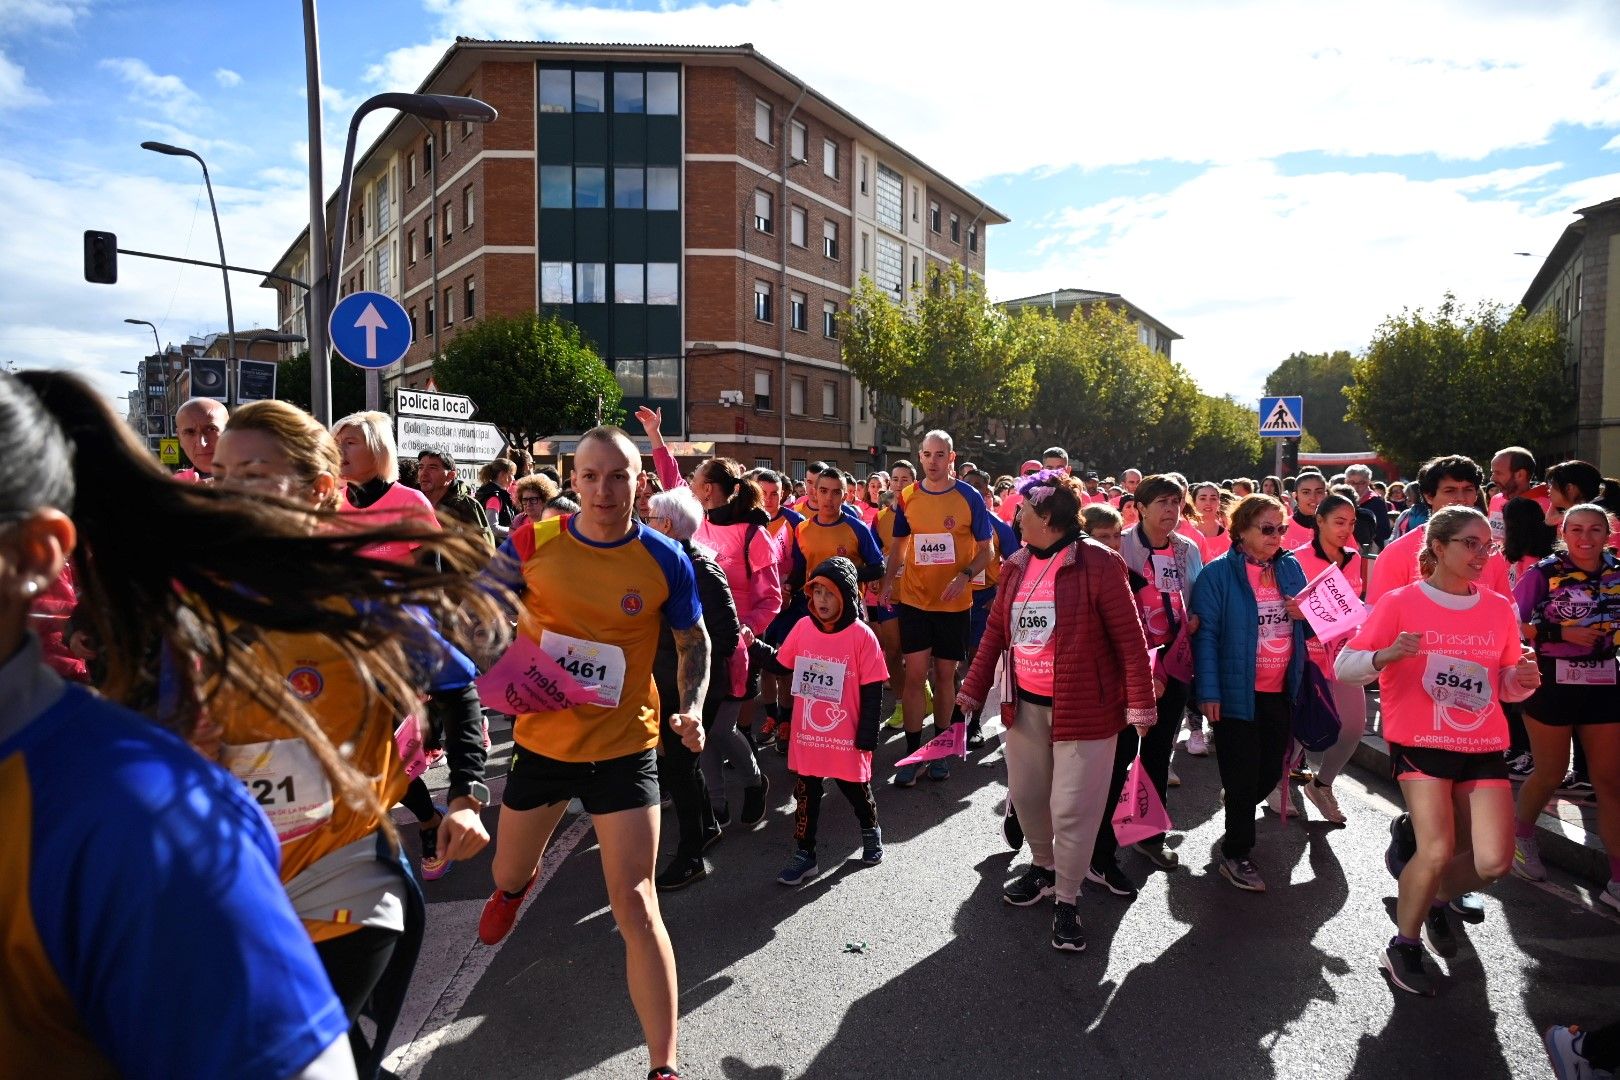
[1275, 642]
[1447, 697]
[399, 503]
[1034, 627]
[828, 673]
[1397, 565]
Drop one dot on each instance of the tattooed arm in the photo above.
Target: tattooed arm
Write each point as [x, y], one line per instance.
[692, 679]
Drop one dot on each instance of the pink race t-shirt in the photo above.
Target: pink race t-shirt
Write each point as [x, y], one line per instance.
[1397, 566]
[1297, 536]
[399, 503]
[1033, 626]
[1213, 547]
[1158, 602]
[1275, 641]
[1313, 565]
[828, 673]
[1447, 697]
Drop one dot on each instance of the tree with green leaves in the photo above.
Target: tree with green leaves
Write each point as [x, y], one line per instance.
[950, 353]
[1462, 382]
[1226, 442]
[1321, 379]
[348, 385]
[531, 377]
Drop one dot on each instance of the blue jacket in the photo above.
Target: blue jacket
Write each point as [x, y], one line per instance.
[1229, 633]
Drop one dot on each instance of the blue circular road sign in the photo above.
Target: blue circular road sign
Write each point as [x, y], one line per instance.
[369, 329]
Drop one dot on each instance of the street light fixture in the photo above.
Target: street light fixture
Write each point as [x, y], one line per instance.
[180, 151]
[446, 107]
[155, 342]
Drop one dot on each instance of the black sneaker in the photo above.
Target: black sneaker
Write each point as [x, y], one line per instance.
[1470, 907]
[1437, 932]
[722, 813]
[975, 736]
[1406, 970]
[1035, 885]
[1112, 878]
[712, 837]
[1156, 853]
[1066, 934]
[680, 873]
[1011, 831]
[753, 808]
[1402, 845]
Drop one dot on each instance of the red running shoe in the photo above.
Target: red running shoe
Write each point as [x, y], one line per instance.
[500, 912]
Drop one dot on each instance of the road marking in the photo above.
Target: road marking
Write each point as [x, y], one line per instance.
[443, 1026]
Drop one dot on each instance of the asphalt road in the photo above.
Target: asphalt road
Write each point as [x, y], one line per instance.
[915, 967]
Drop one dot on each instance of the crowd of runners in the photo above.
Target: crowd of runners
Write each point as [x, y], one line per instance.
[220, 682]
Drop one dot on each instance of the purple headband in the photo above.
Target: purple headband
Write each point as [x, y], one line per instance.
[1037, 486]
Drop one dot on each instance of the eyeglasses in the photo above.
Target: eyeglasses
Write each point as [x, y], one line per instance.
[532, 500]
[1270, 530]
[1472, 543]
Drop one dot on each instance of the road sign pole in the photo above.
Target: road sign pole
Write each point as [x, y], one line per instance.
[1277, 470]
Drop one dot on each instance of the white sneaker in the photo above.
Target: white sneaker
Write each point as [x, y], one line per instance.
[1197, 746]
[1173, 780]
[1528, 865]
[1610, 895]
[1322, 798]
[1274, 801]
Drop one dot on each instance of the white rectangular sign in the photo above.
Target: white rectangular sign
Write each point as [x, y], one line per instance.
[471, 444]
[438, 406]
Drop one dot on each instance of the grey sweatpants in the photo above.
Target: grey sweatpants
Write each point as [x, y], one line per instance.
[1060, 791]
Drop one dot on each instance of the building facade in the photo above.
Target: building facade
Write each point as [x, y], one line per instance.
[1580, 283]
[1064, 302]
[700, 213]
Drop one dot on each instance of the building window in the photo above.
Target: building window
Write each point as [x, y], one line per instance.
[663, 93]
[556, 283]
[956, 229]
[891, 195]
[829, 319]
[796, 141]
[663, 189]
[663, 377]
[427, 156]
[385, 265]
[432, 326]
[973, 238]
[556, 90]
[590, 188]
[663, 284]
[410, 170]
[629, 92]
[469, 293]
[764, 463]
[762, 390]
[798, 222]
[889, 262]
[1578, 298]
[629, 286]
[829, 158]
[762, 301]
[864, 167]
[915, 202]
[467, 207]
[797, 306]
[449, 223]
[797, 468]
[384, 205]
[860, 399]
[916, 269]
[797, 390]
[829, 399]
[444, 141]
[414, 334]
[866, 252]
[410, 246]
[556, 187]
[590, 283]
[449, 306]
[629, 189]
[829, 239]
[427, 235]
[933, 217]
[763, 128]
[762, 211]
[588, 91]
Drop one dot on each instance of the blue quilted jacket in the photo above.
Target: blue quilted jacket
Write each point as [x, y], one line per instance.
[1229, 633]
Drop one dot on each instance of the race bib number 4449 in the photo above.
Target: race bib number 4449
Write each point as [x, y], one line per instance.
[934, 549]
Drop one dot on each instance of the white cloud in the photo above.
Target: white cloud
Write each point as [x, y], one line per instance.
[1612, 144]
[227, 78]
[14, 86]
[1251, 264]
[167, 95]
[18, 15]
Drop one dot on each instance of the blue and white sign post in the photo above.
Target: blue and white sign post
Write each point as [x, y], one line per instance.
[370, 330]
[1282, 418]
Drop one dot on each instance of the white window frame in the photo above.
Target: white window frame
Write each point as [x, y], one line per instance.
[764, 118]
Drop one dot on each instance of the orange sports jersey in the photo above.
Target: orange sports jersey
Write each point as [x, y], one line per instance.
[943, 530]
[847, 536]
[611, 599]
[282, 774]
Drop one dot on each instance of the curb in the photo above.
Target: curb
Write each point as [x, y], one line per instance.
[1565, 841]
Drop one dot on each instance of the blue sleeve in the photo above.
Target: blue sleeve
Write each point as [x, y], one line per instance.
[683, 610]
[1208, 600]
[866, 544]
[166, 918]
[981, 512]
[505, 570]
[902, 527]
[1006, 537]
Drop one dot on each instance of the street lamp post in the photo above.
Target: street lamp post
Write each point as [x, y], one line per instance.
[180, 151]
[446, 107]
[158, 345]
[163, 374]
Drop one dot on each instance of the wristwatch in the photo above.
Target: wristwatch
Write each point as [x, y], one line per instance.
[477, 791]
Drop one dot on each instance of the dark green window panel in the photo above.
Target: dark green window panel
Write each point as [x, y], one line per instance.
[663, 331]
[557, 234]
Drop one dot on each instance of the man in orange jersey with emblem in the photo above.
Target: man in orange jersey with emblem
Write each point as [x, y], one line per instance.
[602, 749]
[942, 533]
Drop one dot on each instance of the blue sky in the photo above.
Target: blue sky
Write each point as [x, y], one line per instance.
[1263, 176]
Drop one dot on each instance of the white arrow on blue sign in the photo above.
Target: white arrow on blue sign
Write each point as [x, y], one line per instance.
[1282, 417]
[370, 329]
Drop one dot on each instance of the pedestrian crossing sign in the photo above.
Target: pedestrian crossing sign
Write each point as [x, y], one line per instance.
[1282, 417]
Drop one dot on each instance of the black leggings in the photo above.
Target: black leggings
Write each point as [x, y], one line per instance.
[1156, 747]
[807, 793]
[354, 963]
[1249, 755]
[1602, 1047]
[678, 771]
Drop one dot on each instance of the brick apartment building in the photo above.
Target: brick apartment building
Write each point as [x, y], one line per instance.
[1063, 303]
[639, 192]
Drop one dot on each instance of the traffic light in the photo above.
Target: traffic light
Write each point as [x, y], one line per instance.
[100, 257]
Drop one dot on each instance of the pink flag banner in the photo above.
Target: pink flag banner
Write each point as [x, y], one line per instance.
[1139, 814]
[951, 744]
[526, 680]
[408, 741]
[1331, 605]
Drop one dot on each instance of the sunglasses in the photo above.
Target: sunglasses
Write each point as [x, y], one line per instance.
[1270, 530]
